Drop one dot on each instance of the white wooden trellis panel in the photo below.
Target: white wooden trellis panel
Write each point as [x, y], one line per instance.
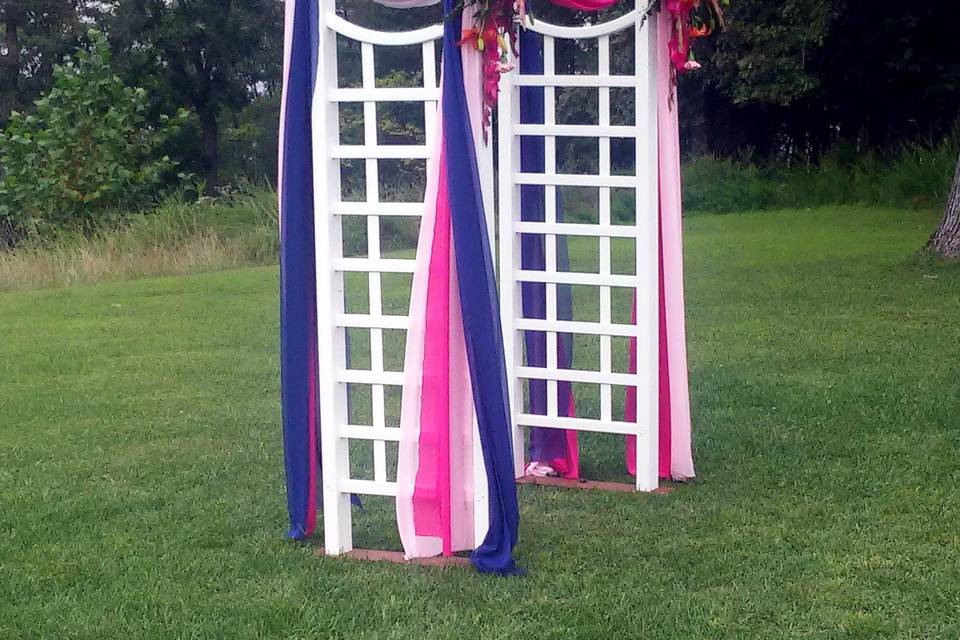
[332, 319]
[644, 233]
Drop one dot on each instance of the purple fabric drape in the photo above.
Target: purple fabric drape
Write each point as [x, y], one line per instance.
[546, 445]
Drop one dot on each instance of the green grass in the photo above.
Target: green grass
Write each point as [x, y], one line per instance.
[141, 486]
[914, 176]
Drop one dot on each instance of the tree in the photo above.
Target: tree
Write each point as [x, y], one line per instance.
[946, 240]
[209, 55]
[87, 149]
[794, 77]
[34, 36]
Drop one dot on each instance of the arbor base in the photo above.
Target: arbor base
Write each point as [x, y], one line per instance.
[396, 557]
[594, 485]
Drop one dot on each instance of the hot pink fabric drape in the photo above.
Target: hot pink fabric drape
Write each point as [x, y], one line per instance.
[435, 466]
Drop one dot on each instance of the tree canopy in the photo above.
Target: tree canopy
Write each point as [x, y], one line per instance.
[34, 36]
[798, 76]
[209, 55]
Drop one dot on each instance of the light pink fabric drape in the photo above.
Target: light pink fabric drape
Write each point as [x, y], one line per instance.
[676, 453]
[408, 449]
[441, 402]
[671, 238]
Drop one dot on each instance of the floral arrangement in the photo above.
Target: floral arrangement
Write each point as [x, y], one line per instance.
[495, 37]
[495, 34]
[692, 19]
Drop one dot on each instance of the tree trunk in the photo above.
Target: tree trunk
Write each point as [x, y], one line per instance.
[946, 240]
[210, 133]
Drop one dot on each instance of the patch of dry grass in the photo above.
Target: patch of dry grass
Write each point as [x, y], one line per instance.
[110, 259]
[177, 239]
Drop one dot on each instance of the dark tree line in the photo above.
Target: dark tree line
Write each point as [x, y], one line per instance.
[800, 76]
[788, 80]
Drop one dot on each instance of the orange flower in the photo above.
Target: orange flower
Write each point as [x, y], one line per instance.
[469, 36]
[701, 31]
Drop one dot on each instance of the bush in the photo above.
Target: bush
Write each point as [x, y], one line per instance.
[914, 176]
[86, 151]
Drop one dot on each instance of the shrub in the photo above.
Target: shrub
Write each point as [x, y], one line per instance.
[913, 176]
[87, 150]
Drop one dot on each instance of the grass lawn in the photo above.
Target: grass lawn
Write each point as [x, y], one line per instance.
[141, 477]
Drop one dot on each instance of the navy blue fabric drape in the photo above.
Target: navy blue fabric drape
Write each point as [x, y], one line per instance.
[480, 310]
[298, 293]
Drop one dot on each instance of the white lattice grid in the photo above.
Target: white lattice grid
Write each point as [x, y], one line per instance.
[643, 232]
[333, 321]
